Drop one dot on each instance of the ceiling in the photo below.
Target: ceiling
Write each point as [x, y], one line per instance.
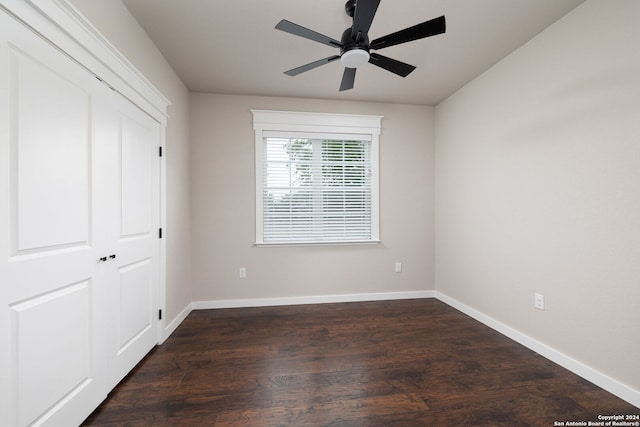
[231, 47]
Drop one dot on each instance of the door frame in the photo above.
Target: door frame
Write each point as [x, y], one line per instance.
[63, 26]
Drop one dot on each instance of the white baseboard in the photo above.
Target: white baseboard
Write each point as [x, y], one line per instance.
[173, 325]
[613, 386]
[322, 299]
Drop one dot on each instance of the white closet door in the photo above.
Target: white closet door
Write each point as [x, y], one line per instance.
[52, 310]
[134, 287]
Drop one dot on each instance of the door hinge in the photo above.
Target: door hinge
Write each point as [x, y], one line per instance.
[160, 233]
[160, 314]
[160, 151]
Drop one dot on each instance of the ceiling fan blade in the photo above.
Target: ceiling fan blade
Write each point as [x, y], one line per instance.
[348, 78]
[299, 30]
[395, 66]
[311, 65]
[363, 17]
[420, 31]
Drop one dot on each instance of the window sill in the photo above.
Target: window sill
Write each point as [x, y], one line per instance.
[341, 243]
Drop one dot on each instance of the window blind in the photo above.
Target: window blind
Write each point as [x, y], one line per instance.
[316, 189]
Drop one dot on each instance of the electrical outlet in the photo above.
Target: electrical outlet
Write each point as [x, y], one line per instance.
[538, 301]
[242, 272]
[398, 268]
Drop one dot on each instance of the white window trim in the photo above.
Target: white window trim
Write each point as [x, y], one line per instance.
[330, 123]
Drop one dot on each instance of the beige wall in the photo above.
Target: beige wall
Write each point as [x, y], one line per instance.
[538, 189]
[115, 22]
[223, 185]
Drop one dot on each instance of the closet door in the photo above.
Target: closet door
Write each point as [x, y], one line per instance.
[52, 140]
[135, 235]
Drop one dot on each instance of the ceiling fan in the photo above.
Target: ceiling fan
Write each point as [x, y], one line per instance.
[354, 45]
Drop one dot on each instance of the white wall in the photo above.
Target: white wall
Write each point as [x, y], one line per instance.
[223, 185]
[538, 189]
[116, 23]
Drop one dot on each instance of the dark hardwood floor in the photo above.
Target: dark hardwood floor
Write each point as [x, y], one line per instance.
[388, 363]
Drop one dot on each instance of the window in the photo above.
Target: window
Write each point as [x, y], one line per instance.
[316, 178]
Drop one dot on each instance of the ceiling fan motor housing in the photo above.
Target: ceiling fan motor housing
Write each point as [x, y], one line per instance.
[354, 52]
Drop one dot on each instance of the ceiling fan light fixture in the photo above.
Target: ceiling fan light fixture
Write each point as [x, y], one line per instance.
[354, 58]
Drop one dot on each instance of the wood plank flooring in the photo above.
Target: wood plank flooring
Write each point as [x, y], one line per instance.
[387, 363]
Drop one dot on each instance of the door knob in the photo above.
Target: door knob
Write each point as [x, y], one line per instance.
[112, 256]
[102, 259]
